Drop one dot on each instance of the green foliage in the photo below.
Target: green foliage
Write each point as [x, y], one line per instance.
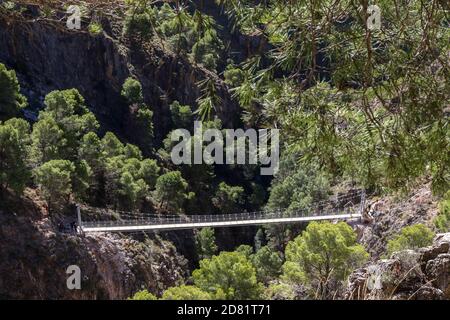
[128, 180]
[245, 250]
[61, 126]
[206, 50]
[279, 291]
[140, 20]
[183, 31]
[149, 171]
[54, 178]
[132, 151]
[185, 293]
[131, 190]
[230, 275]
[296, 187]
[111, 145]
[70, 160]
[81, 180]
[132, 91]
[234, 77]
[411, 237]
[48, 141]
[267, 263]
[442, 221]
[258, 197]
[14, 138]
[171, 190]
[95, 28]
[323, 255]
[228, 199]
[208, 101]
[141, 115]
[90, 150]
[143, 119]
[11, 101]
[205, 242]
[344, 96]
[143, 295]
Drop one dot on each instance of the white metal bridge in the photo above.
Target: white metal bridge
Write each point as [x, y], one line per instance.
[347, 207]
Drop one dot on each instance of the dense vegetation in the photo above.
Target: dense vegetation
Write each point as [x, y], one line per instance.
[357, 105]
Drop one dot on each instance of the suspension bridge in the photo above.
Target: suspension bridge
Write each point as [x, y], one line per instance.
[347, 207]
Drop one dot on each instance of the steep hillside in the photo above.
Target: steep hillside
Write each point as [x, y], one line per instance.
[47, 56]
[35, 255]
[392, 213]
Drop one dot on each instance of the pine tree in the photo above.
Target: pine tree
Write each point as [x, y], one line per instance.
[14, 172]
[11, 101]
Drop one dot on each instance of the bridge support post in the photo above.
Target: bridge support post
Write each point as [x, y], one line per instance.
[362, 205]
[80, 229]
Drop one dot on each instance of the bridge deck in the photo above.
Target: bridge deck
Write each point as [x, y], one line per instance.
[215, 224]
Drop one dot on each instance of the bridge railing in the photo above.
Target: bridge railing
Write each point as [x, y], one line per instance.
[185, 219]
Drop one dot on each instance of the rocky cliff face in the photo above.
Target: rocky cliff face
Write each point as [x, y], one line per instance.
[47, 56]
[391, 214]
[34, 259]
[410, 274]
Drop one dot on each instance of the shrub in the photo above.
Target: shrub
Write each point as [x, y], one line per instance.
[205, 242]
[171, 190]
[143, 295]
[11, 101]
[442, 221]
[411, 237]
[14, 135]
[230, 275]
[132, 91]
[55, 180]
[95, 28]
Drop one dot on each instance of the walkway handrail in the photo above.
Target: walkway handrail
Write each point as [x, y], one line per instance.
[147, 221]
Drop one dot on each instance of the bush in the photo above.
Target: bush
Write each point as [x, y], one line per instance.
[139, 22]
[442, 221]
[95, 28]
[324, 255]
[171, 190]
[411, 237]
[233, 76]
[143, 295]
[205, 243]
[181, 115]
[55, 180]
[230, 275]
[267, 263]
[14, 137]
[228, 199]
[132, 91]
[11, 101]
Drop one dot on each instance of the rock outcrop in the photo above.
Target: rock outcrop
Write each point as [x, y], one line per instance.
[391, 214]
[34, 258]
[410, 274]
